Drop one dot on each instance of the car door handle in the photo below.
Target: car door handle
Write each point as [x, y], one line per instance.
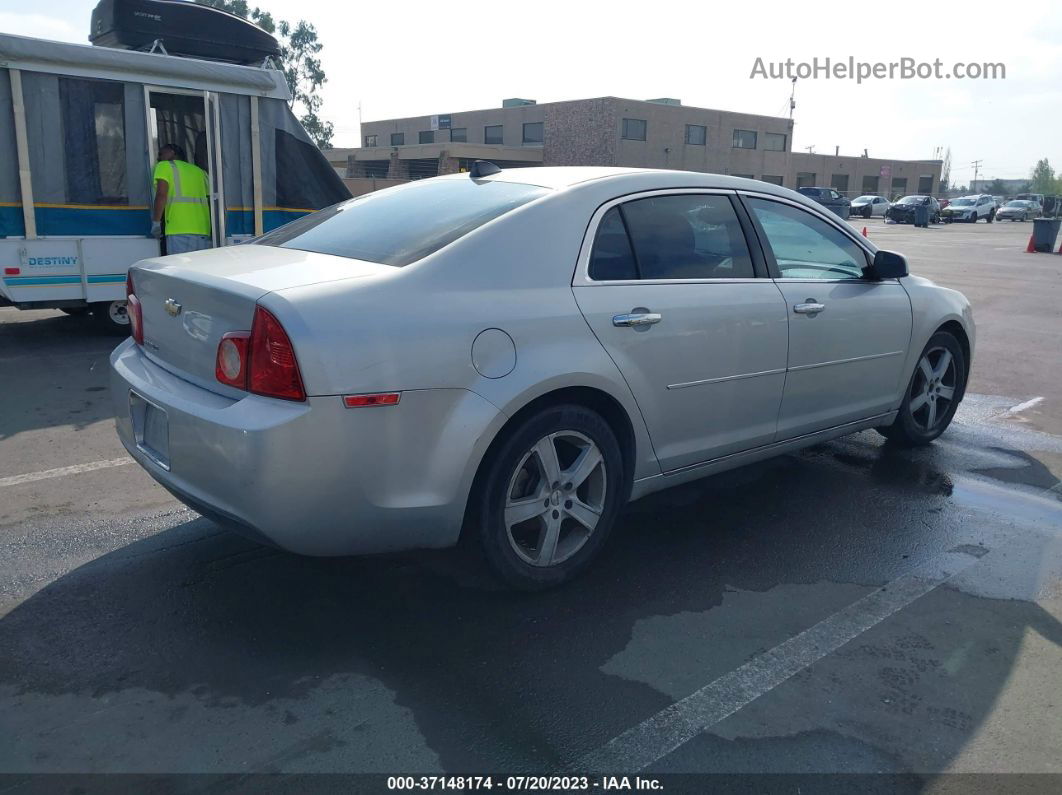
[809, 307]
[636, 319]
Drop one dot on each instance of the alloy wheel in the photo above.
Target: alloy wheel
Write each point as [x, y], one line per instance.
[933, 388]
[555, 498]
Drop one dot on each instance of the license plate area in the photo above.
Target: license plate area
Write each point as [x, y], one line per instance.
[151, 429]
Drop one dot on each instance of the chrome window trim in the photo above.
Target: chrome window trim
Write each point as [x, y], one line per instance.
[582, 270]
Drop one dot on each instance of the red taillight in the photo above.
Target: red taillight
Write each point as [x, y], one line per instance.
[134, 311]
[273, 370]
[230, 366]
[261, 360]
[12, 271]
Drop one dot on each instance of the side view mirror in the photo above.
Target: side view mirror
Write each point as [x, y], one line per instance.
[889, 265]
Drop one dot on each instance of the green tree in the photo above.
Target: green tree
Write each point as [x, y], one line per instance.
[1043, 177]
[996, 187]
[299, 60]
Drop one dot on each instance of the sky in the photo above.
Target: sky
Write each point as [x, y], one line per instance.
[412, 58]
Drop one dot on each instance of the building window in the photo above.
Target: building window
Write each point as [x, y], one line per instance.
[634, 129]
[870, 185]
[398, 139]
[805, 179]
[696, 134]
[774, 142]
[744, 139]
[533, 132]
[899, 186]
[426, 137]
[492, 134]
[459, 134]
[94, 137]
[925, 184]
[774, 180]
[743, 176]
[370, 140]
[839, 182]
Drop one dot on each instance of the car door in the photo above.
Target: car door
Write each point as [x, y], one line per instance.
[848, 334]
[670, 287]
[880, 206]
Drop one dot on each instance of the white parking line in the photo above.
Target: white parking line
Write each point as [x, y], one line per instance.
[1028, 404]
[672, 727]
[77, 469]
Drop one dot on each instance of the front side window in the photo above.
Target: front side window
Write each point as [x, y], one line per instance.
[492, 134]
[426, 137]
[533, 132]
[744, 139]
[687, 236]
[404, 224]
[696, 134]
[634, 129]
[398, 139]
[93, 119]
[774, 142]
[807, 247]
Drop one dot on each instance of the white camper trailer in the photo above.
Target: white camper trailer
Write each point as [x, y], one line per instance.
[79, 130]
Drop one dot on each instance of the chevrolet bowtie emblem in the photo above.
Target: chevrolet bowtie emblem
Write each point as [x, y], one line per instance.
[172, 307]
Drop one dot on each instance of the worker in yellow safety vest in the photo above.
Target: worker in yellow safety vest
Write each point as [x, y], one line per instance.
[182, 192]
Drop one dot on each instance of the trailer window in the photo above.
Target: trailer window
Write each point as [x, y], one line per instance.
[305, 178]
[94, 141]
[404, 224]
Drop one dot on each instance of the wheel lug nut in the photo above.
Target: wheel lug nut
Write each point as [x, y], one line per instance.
[568, 504]
[546, 502]
[567, 486]
[556, 514]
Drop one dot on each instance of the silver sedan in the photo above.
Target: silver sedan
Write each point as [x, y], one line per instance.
[513, 355]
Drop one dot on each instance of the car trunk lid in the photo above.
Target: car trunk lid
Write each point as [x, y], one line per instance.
[189, 301]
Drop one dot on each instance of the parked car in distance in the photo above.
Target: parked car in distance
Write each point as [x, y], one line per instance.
[869, 206]
[1018, 210]
[903, 211]
[970, 209]
[423, 363]
[828, 197]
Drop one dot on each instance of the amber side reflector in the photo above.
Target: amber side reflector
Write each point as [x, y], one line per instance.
[379, 399]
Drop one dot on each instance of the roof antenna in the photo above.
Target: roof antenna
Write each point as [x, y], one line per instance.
[483, 168]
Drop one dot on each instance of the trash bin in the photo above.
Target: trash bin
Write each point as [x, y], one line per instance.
[1045, 233]
[921, 216]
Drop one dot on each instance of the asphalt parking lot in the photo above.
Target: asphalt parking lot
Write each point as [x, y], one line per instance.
[849, 609]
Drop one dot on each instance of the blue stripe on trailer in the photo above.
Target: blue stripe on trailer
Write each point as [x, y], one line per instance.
[11, 221]
[93, 221]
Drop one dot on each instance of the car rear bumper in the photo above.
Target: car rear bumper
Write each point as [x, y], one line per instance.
[315, 477]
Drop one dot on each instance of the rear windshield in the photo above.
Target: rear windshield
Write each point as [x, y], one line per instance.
[404, 224]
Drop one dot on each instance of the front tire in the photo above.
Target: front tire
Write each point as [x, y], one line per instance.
[548, 496]
[111, 316]
[933, 393]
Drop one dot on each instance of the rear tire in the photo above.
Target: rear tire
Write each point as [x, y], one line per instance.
[546, 499]
[933, 394]
[111, 316]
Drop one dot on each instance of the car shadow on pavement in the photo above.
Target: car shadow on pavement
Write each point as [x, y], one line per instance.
[194, 621]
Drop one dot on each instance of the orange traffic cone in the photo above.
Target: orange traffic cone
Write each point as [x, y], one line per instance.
[1030, 249]
[865, 232]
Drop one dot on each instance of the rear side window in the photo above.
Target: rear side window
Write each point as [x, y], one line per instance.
[404, 224]
[688, 236]
[612, 258]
